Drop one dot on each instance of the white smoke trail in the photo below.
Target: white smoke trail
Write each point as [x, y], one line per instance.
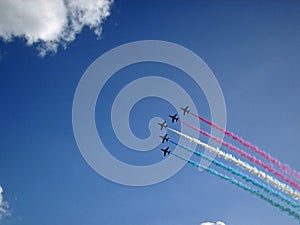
[283, 187]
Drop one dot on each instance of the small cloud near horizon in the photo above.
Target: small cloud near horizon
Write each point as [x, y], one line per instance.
[217, 223]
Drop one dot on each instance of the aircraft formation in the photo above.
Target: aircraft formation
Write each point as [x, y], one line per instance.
[281, 183]
[163, 125]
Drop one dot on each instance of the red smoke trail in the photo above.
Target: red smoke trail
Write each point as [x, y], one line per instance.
[247, 156]
[267, 156]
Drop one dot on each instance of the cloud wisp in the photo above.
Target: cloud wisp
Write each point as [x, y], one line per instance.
[4, 212]
[49, 24]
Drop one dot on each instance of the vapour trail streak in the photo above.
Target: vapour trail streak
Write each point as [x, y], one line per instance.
[241, 175]
[276, 183]
[247, 156]
[283, 167]
[243, 186]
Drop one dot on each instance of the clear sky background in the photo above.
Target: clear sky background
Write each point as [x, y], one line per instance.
[253, 48]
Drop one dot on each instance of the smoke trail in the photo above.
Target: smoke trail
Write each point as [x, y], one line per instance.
[243, 186]
[285, 188]
[284, 167]
[247, 156]
[241, 175]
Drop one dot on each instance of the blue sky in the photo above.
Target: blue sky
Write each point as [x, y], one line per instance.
[253, 48]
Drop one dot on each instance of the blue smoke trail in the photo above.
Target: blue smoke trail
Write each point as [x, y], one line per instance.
[243, 176]
[242, 186]
[251, 169]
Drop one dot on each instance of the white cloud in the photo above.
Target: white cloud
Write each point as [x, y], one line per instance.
[217, 223]
[50, 23]
[3, 206]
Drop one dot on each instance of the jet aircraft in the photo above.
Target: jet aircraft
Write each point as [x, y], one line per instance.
[174, 118]
[166, 151]
[164, 138]
[163, 125]
[186, 110]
